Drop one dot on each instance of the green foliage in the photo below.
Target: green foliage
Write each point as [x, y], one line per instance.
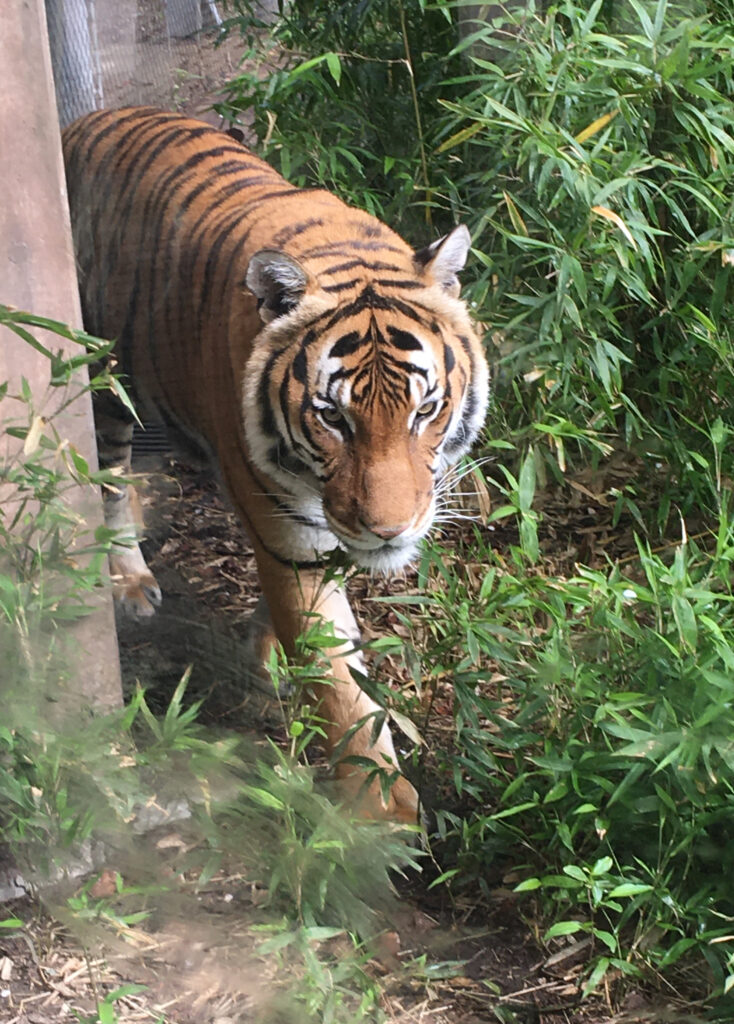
[327, 875]
[321, 112]
[51, 558]
[589, 148]
[605, 221]
[106, 1012]
[335, 985]
[593, 746]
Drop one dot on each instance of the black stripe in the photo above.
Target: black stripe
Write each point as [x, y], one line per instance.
[370, 229]
[367, 299]
[410, 312]
[143, 157]
[300, 366]
[346, 247]
[314, 450]
[348, 344]
[181, 180]
[344, 286]
[387, 282]
[286, 234]
[156, 208]
[277, 193]
[127, 186]
[279, 456]
[257, 539]
[407, 367]
[214, 248]
[267, 418]
[404, 340]
[351, 264]
[97, 135]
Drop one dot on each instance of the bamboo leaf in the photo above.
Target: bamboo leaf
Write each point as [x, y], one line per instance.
[334, 65]
[517, 222]
[33, 437]
[460, 136]
[610, 215]
[596, 126]
[407, 726]
[563, 928]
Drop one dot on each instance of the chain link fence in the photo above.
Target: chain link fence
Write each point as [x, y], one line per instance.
[110, 53]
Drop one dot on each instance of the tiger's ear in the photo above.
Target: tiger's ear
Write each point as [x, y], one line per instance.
[445, 258]
[277, 281]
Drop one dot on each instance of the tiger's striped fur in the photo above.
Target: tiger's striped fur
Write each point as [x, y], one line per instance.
[330, 371]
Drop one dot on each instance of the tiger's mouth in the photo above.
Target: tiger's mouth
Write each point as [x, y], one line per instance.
[376, 554]
[387, 558]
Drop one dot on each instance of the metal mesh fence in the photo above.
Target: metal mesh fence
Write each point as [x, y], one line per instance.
[110, 53]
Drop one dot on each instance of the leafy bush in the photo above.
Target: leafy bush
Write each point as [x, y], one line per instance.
[593, 750]
[259, 814]
[321, 112]
[52, 560]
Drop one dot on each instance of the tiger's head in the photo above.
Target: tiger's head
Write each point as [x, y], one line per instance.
[362, 388]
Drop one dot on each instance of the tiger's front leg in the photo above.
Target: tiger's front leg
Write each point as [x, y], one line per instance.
[297, 602]
[135, 588]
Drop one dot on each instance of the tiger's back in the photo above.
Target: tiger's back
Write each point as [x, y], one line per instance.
[160, 209]
[330, 370]
[167, 213]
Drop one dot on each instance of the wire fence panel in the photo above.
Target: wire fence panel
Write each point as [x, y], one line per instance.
[111, 53]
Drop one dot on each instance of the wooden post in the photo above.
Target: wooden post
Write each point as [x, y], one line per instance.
[37, 273]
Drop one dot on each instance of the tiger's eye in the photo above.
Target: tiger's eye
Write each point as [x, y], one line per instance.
[426, 409]
[330, 414]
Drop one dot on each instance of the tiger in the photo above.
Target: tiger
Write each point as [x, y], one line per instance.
[330, 372]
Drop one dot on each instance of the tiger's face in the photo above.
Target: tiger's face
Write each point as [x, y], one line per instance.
[356, 408]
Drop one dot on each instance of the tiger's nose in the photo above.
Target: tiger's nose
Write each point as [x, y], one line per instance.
[387, 532]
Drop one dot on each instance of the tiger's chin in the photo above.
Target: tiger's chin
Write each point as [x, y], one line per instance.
[388, 556]
[386, 559]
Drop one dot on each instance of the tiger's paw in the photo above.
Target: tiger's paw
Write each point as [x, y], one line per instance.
[135, 588]
[368, 800]
[402, 804]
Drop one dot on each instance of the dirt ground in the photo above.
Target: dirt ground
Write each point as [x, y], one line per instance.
[141, 63]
